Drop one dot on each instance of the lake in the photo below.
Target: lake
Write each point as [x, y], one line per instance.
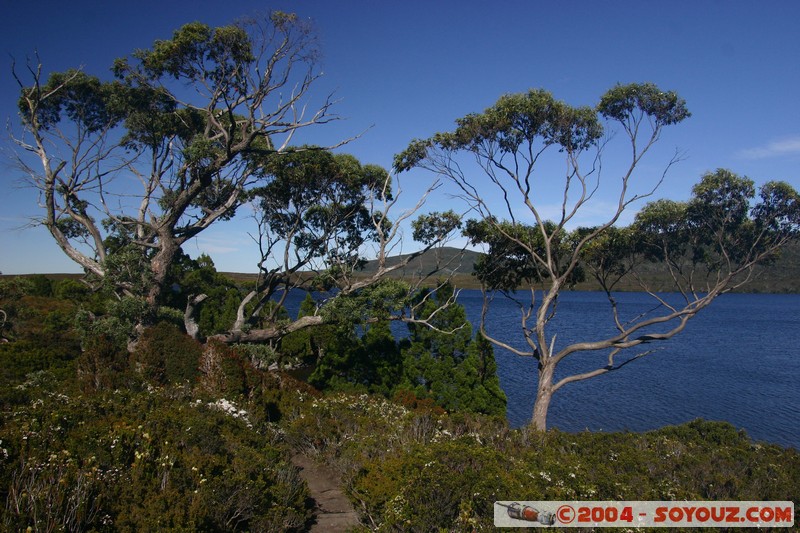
[738, 360]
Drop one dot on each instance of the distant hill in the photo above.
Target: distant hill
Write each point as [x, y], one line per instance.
[446, 260]
[781, 277]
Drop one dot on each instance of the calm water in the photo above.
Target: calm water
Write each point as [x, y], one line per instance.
[738, 360]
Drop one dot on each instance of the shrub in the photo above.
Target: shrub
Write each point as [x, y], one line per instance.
[12, 288]
[261, 356]
[102, 365]
[39, 318]
[222, 370]
[69, 289]
[410, 401]
[40, 285]
[113, 318]
[21, 358]
[278, 397]
[164, 355]
[443, 485]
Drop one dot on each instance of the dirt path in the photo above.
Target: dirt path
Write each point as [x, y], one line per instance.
[333, 509]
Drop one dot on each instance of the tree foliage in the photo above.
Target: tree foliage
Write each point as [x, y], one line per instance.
[444, 362]
[724, 229]
[189, 119]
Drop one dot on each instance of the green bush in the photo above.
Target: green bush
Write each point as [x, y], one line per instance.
[39, 318]
[102, 365]
[14, 287]
[278, 397]
[445, 485]
[23, 357]
[223, 371]
[40, 285]
[164, 355]
[440, 361]
[113, 318]
[70, 289]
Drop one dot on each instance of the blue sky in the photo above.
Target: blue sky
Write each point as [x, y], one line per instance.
[406, 70]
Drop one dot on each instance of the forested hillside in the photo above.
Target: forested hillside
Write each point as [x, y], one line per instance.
[782, 276]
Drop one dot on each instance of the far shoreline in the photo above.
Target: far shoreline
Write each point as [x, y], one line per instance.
[760, 285]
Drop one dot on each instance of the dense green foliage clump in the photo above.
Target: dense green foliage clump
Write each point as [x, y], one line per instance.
[38, 330]
[440, 361]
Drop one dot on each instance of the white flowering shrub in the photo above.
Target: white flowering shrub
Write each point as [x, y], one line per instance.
[230, 409]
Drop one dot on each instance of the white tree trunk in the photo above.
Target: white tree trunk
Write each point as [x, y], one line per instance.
[544, 393]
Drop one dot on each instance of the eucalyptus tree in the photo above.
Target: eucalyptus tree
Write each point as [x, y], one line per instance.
[710, 244]
[319, 214]
[130, 168]
[187, 132]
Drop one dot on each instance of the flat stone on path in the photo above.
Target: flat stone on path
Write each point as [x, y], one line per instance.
[334, 513]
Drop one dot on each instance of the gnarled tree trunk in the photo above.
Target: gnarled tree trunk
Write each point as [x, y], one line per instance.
[544, 393]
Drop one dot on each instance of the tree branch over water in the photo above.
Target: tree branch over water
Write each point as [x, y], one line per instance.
[710, 244]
